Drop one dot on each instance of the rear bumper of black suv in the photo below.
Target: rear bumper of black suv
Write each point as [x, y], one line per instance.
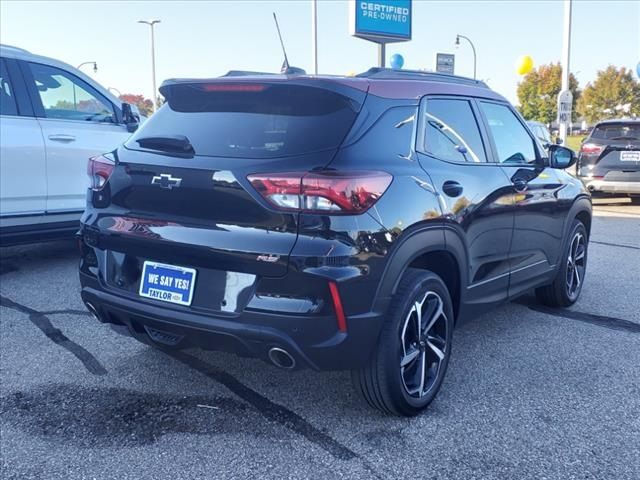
[252, 334]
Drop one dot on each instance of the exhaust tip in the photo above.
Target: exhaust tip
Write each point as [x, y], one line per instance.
[93, 311]
[281, 358]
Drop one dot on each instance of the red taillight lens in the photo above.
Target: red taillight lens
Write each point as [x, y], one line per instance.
[326, 192]
[99, 170]
[591, 149]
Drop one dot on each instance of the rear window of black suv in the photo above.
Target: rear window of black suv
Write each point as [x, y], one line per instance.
[617, 131]
[252, 120]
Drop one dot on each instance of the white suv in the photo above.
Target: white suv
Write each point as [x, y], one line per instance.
[52, 119]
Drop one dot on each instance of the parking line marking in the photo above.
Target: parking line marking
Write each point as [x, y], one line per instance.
[40, 320]
[611, 323]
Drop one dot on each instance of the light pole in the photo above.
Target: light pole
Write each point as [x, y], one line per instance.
[95, 70]
[151, 23]
[565, 98]
[95, 66]
[314, 35]
[458, 37]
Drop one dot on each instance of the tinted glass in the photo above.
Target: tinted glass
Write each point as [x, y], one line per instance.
[7, 100]
[512, 140]
[451, 131]
[67, 97]
[617, 131]
[258, 121]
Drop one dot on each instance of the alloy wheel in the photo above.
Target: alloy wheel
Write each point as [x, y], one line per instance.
[424, 345]
[576, 264]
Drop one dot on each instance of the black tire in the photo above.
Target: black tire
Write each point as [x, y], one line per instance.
[383, 382]
[563, 292]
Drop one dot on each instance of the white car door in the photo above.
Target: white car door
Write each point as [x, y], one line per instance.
[77, 123]
[23, 184]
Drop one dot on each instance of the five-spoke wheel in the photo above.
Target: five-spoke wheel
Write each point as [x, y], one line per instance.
[406, 370]
[423, 340]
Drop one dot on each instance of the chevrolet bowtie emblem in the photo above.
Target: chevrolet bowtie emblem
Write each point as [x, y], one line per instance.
[166, 181]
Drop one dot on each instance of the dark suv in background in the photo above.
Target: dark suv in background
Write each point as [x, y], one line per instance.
[609, 160]
[330, 223]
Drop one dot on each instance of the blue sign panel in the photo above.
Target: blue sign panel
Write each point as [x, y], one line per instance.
[382, 20]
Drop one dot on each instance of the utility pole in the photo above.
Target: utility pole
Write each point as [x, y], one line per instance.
[565, 98]
[314, 35]
[382, 53]
[154, 98]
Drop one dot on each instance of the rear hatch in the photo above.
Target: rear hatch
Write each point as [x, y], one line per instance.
[179, 192]
[612, 152]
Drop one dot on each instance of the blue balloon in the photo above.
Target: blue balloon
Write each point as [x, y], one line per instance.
[397, 61]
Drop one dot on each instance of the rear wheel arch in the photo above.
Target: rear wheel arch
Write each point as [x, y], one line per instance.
[434, 249]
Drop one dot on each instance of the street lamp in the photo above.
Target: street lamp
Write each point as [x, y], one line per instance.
[151, 23]
[458, 37]
[114, 89]
[95, 66]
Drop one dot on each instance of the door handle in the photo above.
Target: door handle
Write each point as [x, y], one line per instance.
[520, 184]
[62, 138]
[452, 188]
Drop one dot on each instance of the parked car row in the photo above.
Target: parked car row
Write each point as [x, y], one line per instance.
[52, 119]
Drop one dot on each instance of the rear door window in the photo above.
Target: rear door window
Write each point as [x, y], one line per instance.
[450, 131]
[252, 120]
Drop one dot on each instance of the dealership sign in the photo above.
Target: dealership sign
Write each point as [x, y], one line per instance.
[381, 21]
[445, 63]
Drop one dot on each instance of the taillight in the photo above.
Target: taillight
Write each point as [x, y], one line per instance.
[99, 170]
[327, 192]
[591, 149]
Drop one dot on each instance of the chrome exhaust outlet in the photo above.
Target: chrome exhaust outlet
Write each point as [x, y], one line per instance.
[281, 358]
[93, 311]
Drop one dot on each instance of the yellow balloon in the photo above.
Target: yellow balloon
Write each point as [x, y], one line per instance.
[524, 65]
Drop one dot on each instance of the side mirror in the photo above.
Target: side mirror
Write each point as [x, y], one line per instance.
[558, 141]
[130, 120]
[561, 157]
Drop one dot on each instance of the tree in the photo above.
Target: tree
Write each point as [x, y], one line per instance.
[144, 104]
[538, 93]
[614, 93]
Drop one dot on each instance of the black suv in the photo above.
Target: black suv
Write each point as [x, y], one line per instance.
[609, 161]
[330, 223]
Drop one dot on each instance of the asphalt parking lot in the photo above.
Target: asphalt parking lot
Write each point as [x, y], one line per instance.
[530, 393]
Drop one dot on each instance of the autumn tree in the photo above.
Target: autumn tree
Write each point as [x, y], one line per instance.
[538, 93]
[145, 106]
[614, 93]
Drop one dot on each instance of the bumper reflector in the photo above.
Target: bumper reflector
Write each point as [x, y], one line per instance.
[337, 306]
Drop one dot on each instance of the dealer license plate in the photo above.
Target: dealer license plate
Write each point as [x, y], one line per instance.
[168, 283]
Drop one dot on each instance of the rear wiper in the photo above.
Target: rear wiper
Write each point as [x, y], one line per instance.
[168, 143]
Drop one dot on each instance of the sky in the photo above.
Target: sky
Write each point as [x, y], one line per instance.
[208, 38]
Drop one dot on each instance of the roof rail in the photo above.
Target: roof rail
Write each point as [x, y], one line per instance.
[11, 47]
[392, 74]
